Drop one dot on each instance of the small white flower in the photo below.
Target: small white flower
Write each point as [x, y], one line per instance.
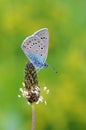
[28, 103]
[45, 88]
[21, 90]
[40, 100]
[25, 94]
[19, 96]
[23, 84]
[45, 102]
[47, 91]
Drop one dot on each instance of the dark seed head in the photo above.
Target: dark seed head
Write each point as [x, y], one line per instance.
[31, 83]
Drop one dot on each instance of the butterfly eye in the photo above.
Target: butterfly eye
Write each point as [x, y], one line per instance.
[45, 65]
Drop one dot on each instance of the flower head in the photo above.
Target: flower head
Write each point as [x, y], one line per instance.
[31, 90]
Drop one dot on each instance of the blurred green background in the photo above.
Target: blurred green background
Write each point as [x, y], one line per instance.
[66, 102]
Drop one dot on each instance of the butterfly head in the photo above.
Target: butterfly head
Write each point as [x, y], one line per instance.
[45, 65]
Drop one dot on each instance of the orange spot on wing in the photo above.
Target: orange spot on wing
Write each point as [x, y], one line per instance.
[27, 43]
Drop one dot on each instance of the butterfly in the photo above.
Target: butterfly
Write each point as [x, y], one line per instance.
[35, 48]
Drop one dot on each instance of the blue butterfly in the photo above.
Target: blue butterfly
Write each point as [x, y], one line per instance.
[35, 48]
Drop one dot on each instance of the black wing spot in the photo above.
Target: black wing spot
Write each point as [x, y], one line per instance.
[41, 54]
[41, 47]
[35, 42]
[29, 41]
[38, 41]
[30, 46]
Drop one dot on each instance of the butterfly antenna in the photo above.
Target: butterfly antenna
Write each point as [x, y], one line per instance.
[53, 68]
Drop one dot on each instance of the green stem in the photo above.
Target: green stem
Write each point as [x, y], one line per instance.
[33, 117]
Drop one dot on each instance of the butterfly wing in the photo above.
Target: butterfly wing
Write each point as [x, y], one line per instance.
[34, 50]
[36, 47]
[43, 35]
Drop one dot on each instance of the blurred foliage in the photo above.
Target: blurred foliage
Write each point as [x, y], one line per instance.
[66, 21]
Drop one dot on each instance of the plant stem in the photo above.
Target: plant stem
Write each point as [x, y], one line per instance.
[33, 117]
